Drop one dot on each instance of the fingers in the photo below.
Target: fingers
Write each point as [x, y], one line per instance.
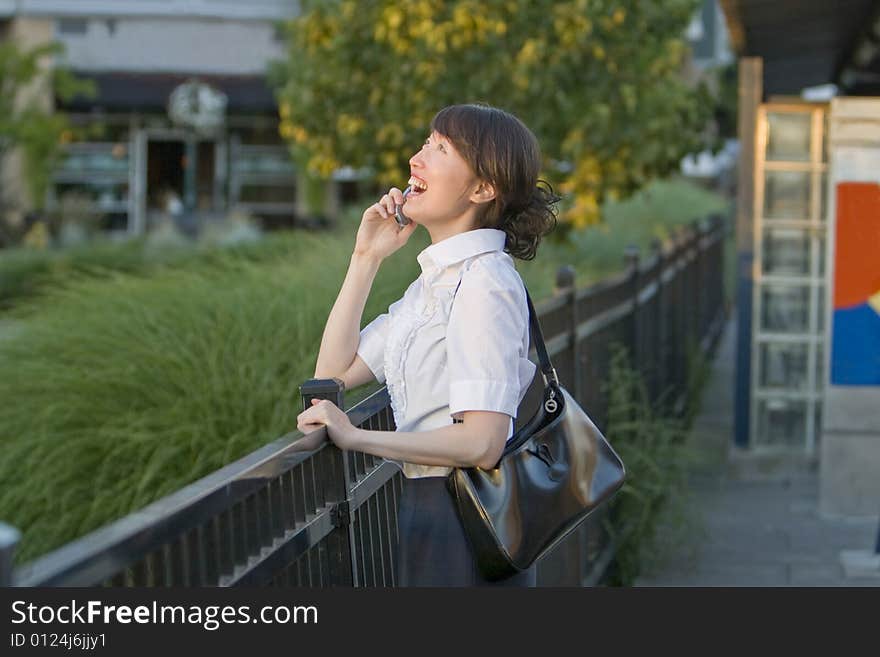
[379, 209]
[314, 414]
[387, 204]
[396, 196]
[307, 421]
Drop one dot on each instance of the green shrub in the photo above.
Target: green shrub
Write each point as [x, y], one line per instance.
[127, 388]
[657, 457]
[653, 213]
[594, 252]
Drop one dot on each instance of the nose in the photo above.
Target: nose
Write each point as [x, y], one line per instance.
[416, 160]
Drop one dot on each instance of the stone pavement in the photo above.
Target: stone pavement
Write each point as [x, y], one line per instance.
[751, 521]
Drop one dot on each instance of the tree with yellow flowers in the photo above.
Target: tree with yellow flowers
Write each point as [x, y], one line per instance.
[598, 81]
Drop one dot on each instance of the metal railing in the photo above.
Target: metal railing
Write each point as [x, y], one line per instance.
[296, 514]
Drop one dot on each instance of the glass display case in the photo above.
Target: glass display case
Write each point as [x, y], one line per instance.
[782, 422]
[788, 294]
[784, 366]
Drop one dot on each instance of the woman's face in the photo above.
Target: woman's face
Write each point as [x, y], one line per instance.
[447, 180]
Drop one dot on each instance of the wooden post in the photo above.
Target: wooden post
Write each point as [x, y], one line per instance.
[750, 92]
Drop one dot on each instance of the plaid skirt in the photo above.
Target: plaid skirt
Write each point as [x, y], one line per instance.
[433, 549]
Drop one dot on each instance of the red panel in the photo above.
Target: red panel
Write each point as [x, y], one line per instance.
[857, 250]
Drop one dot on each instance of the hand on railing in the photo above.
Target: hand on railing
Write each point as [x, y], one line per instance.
[325, 413]
[312, 420]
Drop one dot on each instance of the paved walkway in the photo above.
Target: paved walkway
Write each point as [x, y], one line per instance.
[751, 521]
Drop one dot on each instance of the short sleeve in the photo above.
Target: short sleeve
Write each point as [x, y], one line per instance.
[373, 337]
[486, 341]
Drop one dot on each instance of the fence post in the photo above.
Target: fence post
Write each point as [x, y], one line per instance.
[660, 328]
[565, 284]
[631, 257]
[699, 281]
[718, 232]
[343, 568]
[9, 537]
[332, 389]
[680, 313]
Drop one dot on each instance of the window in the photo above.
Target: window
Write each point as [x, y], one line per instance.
[73, 26]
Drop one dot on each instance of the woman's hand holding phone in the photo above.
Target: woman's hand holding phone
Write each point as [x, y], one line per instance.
[380, 234]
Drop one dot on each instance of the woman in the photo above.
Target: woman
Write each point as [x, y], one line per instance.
[453, 350]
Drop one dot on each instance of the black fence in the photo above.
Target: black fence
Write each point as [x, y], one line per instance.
[289, 514]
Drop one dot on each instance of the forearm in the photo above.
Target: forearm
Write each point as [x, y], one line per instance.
[454, 445]
[342, 332]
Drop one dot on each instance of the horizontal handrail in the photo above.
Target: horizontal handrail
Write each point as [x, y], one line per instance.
[103, 552]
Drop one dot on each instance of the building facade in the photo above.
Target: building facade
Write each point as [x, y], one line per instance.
[184, 120]
[808, 239]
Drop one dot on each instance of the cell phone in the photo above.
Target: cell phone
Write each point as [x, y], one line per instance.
[402, 219]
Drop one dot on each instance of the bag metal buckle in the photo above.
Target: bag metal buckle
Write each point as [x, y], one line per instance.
[553, 376]
[551, 405]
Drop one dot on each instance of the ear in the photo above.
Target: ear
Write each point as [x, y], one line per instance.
[484, 193]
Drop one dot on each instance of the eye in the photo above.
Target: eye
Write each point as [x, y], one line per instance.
[439, 145]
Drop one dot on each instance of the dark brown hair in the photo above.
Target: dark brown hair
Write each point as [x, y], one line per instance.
[501, 150]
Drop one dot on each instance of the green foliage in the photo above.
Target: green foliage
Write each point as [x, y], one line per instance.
[654, 212]
[135, 371]
[655, 497]
[24, 121]
[26, 273]
[598, 81]
[594, 252]
[126, 388]
[727, 101]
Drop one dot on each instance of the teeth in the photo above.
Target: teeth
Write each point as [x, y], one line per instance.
[415, 182]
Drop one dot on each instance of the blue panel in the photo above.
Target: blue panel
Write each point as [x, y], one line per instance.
[855, 347]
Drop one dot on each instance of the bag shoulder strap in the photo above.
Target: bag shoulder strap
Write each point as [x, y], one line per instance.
[547, 369]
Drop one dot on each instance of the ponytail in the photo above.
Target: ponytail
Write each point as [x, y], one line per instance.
[526, 225]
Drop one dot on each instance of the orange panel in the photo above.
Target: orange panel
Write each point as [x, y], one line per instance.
[857, 250]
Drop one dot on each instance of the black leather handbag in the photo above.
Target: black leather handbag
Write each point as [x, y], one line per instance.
[554, 471]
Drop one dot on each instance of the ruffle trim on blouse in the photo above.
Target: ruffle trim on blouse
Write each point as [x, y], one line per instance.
[400, 338]
[404, 329]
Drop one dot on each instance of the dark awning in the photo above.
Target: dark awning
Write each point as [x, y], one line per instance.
[809, 42]
[119, 92]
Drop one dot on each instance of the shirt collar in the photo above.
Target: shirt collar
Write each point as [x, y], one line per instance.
[461, 246]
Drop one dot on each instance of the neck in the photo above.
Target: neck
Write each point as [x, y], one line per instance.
[451, 227]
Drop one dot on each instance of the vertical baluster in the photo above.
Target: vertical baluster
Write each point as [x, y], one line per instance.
[210, 540]
[195, 554]
[225, 543]
[277, 510]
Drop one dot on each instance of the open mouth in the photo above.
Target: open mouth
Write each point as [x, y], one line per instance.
[418, 186]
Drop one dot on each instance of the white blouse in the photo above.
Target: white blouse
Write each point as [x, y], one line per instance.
[436, 364]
